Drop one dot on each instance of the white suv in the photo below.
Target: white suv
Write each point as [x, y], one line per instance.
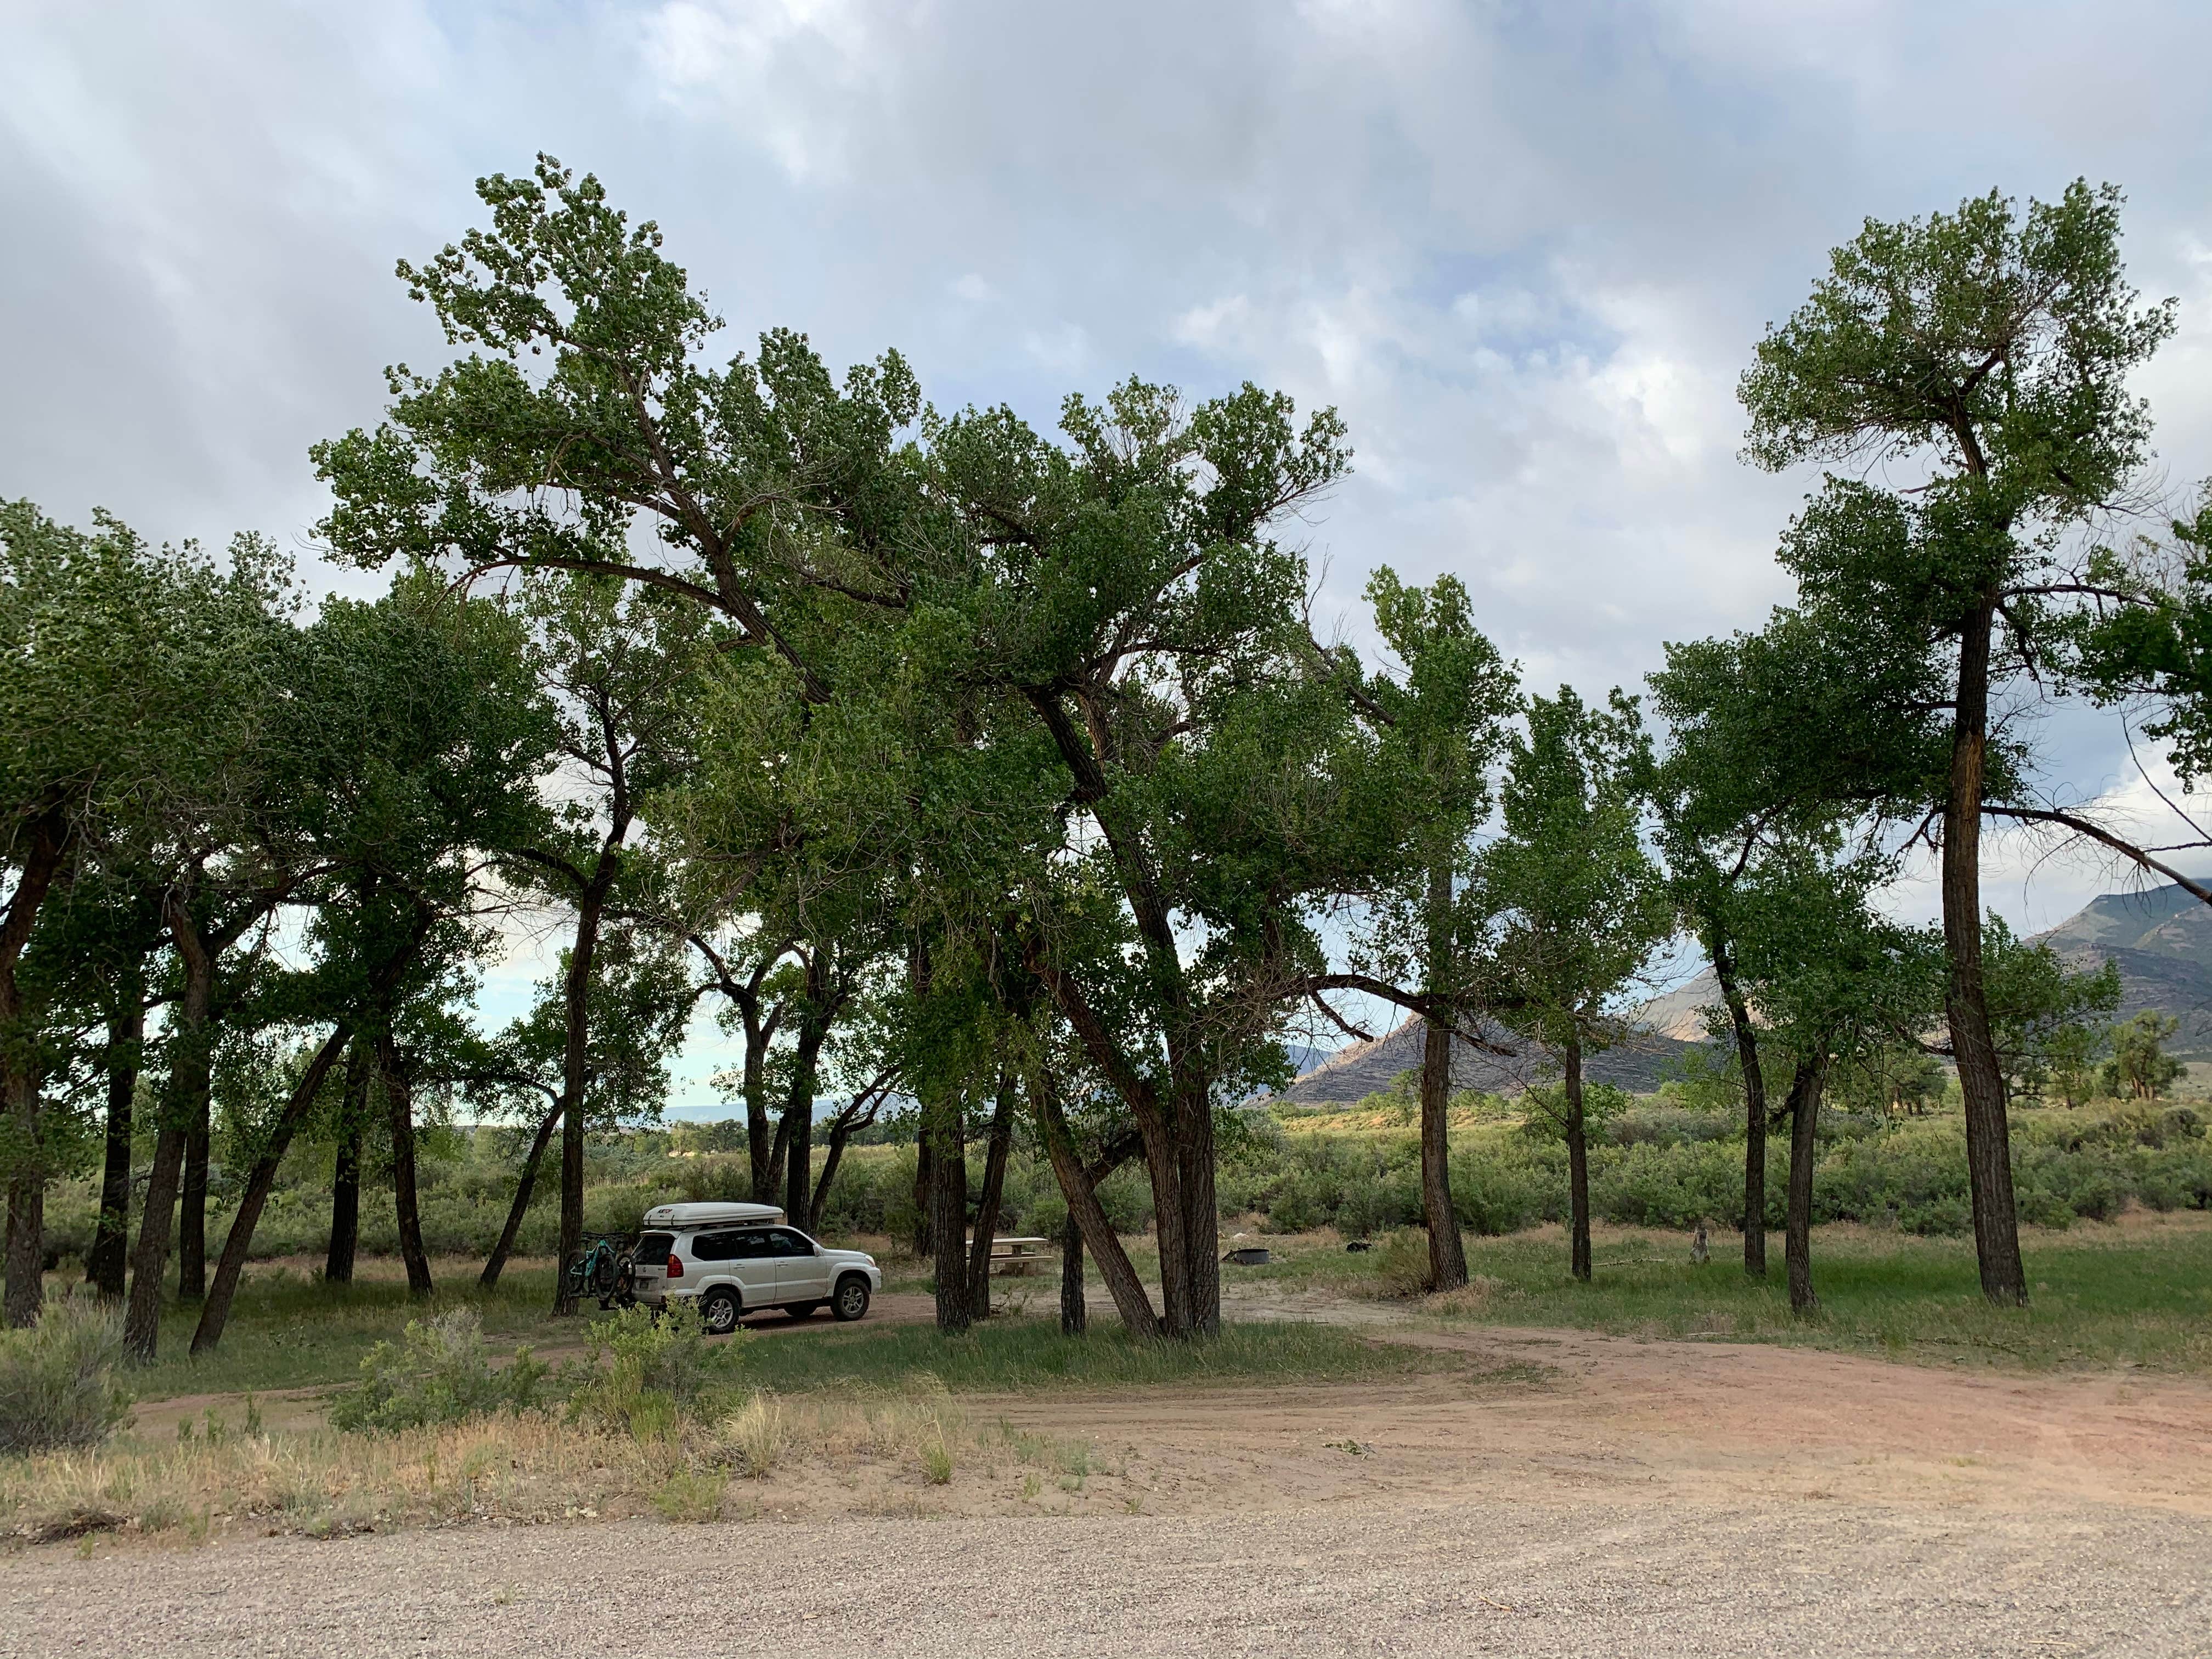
[737, 1258]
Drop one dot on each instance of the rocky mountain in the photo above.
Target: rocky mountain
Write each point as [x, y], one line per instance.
[2161, 939]
[1367, 1068]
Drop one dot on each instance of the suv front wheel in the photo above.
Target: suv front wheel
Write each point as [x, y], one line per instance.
[852, 1299]
[719, 1310]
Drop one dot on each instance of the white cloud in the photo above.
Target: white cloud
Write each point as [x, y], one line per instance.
[1526, 251]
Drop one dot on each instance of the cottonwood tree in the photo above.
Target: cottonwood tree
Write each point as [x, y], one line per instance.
[1439, 716]
[2140, 1068]
[415, 737]
[1828, 983]
[117, 659]
[639, 997]
[617, 664]
[1574, 906]
[1111, 620]
[1985, 353]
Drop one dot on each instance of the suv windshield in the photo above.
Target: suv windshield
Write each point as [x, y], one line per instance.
[655, 1247]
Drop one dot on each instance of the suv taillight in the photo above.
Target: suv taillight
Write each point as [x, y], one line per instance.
[675, 1265]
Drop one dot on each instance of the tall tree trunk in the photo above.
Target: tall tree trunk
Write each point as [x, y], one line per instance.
[191, 1209]
[104, 1264]
[26, 1243]
[575, 1060]
[1981, 1081]
[1073, 1314]
[1447, 1250]
[925, 1187]
[1080, 1189]
[987, 1207]
[1754, 1106]
[1577, 1166]
[400, 1105]
[756, 1123]
[948, 1204]
[255, 1195]
[799, 1111]
[149, 1257]
[525, 1184]
[1804, 1126]
[192, 1061]
[1202, 1229]
[345, 1175]
[44, 842]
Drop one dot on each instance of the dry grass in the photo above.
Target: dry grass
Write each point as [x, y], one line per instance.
[877, 1452]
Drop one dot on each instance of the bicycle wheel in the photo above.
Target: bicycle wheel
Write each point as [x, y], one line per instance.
[606, 1273]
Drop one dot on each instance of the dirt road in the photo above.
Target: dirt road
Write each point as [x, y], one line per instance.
[1561, 1493]
[1530, 1579]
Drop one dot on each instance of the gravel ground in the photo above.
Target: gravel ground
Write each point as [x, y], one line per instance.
[1799, 1578]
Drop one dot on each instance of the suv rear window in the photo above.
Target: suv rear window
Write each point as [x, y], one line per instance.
[655, 1247]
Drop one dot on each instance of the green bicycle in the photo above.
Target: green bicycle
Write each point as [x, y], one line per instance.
[600, 1269]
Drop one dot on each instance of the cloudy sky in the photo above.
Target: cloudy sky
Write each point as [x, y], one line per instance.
[1525, 249]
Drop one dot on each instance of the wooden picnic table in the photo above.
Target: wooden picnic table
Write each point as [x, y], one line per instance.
[1018, 1255]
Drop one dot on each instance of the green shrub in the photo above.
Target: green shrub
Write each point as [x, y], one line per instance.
[1402, 1266]
[644, 1374]
[1647, 1185]
[58, 1379]
[439, 1371]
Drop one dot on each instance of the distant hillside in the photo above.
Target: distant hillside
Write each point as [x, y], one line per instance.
[1367, 1068]
[2162, 941]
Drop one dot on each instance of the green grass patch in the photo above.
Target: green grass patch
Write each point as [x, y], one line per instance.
[1008, 1354]
[2137, 1294]
[289, 1331]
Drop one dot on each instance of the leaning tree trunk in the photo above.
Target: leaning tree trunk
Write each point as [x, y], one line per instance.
[575, 1058]
[1804, 1125]
[215, 1313]
[345, 1175]
[525, 1184]
[1447, 1250]
[840, 1132]
[185, 1093]
[1754, 1109]
[1083, 1209]
[149, 1258]
[987, 1207]
[1981, 1080]
[948, 1205]
[1577, 1166]
[400, 1105]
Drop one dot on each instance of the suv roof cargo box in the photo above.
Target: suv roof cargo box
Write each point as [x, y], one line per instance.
[706, 1215]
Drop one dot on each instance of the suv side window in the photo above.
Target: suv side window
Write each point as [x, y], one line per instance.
[786, 1243]
[728, 1246]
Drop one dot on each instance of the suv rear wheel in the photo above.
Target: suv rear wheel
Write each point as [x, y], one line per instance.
[852, 1299]
[719, 1310]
